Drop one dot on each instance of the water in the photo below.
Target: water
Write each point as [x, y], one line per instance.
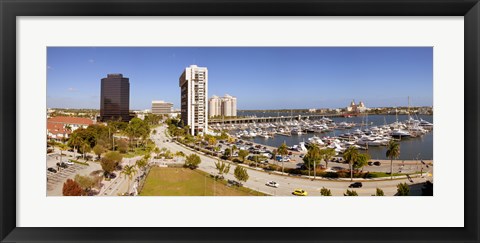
[410, 148]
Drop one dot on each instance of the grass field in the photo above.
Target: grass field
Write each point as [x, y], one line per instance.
[187, 182]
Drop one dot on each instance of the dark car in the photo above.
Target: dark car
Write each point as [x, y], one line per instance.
[377, 163]
[52, 170]
[62, 165]
[110, 175]
[356, 185]
[234, 183]
[370, 163]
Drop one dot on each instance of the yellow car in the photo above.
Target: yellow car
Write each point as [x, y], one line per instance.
[300, 192]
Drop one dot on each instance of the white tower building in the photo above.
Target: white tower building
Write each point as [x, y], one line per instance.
[194, 92]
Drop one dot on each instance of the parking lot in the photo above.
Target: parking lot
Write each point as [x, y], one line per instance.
[56, 179]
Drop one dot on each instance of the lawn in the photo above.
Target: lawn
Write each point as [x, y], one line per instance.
[187, 182]
[136, 152]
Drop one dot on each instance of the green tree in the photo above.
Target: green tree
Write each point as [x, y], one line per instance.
[62, 148]
[283, 151]
[192, 161]
[327, 154]
[122, 146]
[85, 148]
[72, 188]
[98, 150]
[241, 174]
[379, 192]
[393, 152]
[243, 154]
[157, 152]
[129, 171]
[350, 193]
[110, 161]
[325, 192]
[222, 167]
[312, 159]
[74, 141]
[234, 148]
[227, 153]
[351, 156]
[212, 141]
[136, 129]
[403, 189]
[362, 160]
[86, 182]
[141, 163]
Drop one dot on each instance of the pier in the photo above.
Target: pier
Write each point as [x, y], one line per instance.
[270, 119]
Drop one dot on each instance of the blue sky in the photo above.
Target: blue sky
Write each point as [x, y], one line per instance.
[260, 78]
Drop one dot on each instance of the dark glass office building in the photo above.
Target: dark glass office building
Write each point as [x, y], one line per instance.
[115, 98]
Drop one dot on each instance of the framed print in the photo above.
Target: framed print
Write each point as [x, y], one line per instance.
[233, 120]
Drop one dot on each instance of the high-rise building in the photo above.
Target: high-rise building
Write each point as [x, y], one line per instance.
[214, 106]
[229, 104]
[225, 106]
[160, 107]
[115, 98]
[194, 92]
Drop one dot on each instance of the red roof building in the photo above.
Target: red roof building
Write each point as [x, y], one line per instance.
[60, 127]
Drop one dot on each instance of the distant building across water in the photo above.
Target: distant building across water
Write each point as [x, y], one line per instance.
[225, 106]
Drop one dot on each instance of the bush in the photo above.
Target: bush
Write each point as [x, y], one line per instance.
[325, 192]
[192, 161]
[403, 189]
[350, 193]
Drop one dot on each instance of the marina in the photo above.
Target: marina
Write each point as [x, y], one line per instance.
[368, 133]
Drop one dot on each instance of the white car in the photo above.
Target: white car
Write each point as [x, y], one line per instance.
[272, 184]
[69, 162]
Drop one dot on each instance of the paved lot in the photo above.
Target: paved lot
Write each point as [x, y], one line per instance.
[57, 179]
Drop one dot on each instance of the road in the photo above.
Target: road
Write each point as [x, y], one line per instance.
[287, 184]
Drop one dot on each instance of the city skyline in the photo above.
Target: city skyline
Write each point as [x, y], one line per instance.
[260, 77]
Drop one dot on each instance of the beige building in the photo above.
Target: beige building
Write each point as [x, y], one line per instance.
[224, 106]
[214, 106]
[194, 92]
[356, 108]
[160, 107]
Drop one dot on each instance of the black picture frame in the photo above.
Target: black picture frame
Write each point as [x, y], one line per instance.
[10, 9]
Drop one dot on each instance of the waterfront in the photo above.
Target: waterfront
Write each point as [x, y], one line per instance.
[411, 148]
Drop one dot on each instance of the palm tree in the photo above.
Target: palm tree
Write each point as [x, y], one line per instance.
[75, 140]
[282, 150]
[327, 154]
[62, 148]
[157, 151]
[313, 155]
[393, 152]
[129, 170]
[351, 156]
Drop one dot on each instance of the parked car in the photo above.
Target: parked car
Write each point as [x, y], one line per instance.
[377, 163]
[69, 162]
[234, 183]
[300, 192]
[52, 170]
[370, 163]
[356, 185]
[272, 184]
[110, 175]
[62, 165]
